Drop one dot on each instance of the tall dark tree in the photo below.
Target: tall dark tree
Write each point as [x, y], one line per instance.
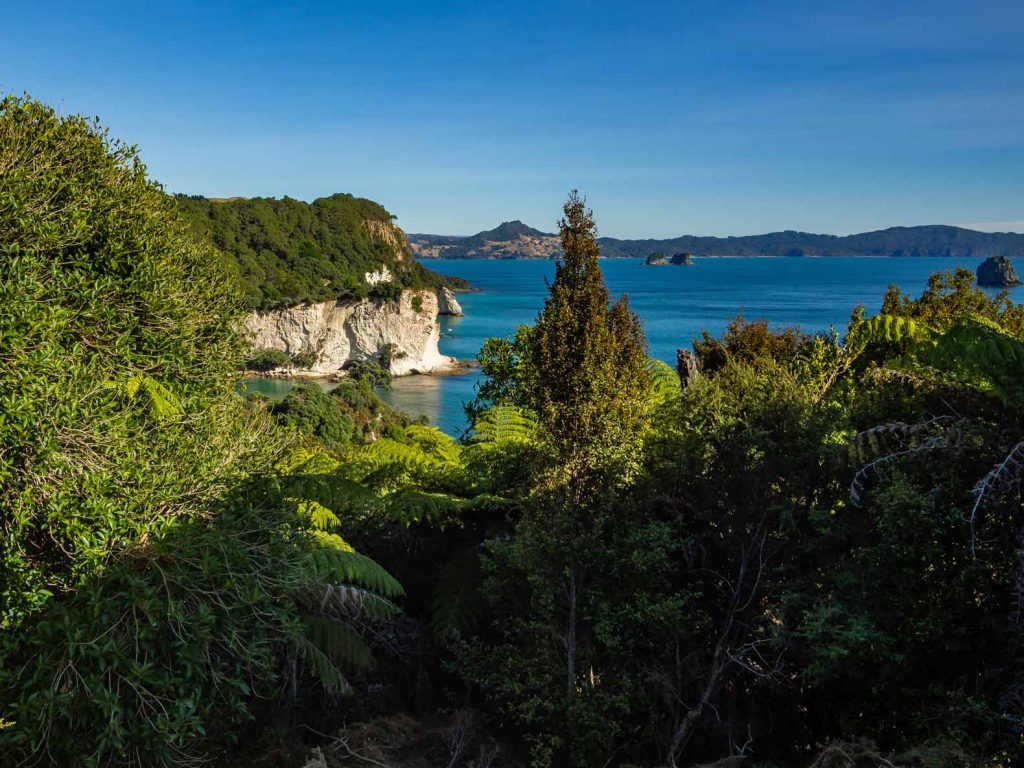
[556, 580]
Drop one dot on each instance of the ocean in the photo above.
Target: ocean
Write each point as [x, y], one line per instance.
[675, 304]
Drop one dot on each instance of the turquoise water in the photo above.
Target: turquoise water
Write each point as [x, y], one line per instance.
[675, 304]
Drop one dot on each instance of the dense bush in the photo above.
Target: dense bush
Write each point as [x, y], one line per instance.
[156, 577]
[268, 359]
[287, 251]
[312, 411]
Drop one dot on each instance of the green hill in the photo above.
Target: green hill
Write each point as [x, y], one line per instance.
[288, 251]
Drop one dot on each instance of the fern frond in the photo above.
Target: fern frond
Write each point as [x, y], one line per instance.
[1008, 475]
[411, 507]
[319, 516]
[327, 540]
[665, 381]
[980, 353]
[504, 424]
[892, 443]
[435, 443]
[342, 601]
[333, 491]
[893, 329]
[322, 668]
[163, 404]
[334, 566]
[339, 642]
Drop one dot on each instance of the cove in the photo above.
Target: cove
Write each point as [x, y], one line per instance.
[675, 303]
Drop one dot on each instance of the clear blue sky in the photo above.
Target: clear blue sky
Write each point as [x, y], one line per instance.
[716, 117]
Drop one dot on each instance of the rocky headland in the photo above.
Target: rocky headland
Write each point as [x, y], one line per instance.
[333, 333]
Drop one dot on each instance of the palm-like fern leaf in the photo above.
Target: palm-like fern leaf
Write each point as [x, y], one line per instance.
[163, 404]
[887, 444]
[503, 424]
[323, 669]
[341, 601]
[334, 566]
[893, 329]
[1003, 478]
[664, 381]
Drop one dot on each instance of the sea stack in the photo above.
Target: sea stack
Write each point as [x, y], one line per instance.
[997, 272]
[684, 259]
[656, 260]
[447, 304]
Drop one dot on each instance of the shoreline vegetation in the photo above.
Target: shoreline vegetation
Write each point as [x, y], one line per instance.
[790, 551]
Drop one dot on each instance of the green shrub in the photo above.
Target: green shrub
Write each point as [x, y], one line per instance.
[268, 359]
[372, 371]
[306, 359]
[138, 611]
[312, 411]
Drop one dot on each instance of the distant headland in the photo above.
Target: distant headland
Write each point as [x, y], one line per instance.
[516, 240]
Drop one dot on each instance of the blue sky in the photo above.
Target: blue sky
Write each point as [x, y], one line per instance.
[672, 117]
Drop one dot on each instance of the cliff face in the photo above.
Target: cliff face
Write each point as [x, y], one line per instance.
[339, 331]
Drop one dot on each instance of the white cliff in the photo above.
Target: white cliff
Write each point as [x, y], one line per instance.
[340, 331]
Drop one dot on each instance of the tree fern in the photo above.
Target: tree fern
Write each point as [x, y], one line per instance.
[892, 329]
[664, 381]
[163, 404]
[503, 424]
[335, 566]
[887, 444]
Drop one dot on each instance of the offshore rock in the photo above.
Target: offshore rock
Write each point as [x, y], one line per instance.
[998, 272]
[447, 304]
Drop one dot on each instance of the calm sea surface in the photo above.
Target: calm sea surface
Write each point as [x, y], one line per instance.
[675, 304]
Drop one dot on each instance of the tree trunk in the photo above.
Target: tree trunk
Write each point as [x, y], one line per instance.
[570, 635]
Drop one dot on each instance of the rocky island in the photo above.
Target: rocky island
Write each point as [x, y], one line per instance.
[656, 259]
[997, 272]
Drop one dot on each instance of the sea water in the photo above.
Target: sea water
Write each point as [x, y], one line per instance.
[675, 304]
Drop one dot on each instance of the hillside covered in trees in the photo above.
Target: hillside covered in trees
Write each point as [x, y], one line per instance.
[515, 240]
[795, 551]
[287, 251]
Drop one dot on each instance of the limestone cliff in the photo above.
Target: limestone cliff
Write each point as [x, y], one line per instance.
[339, 331]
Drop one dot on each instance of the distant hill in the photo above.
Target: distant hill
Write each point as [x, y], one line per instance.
[288, 251]
[510, 240]
[515, 240]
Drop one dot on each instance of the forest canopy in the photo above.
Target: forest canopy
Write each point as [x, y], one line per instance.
[286, 251]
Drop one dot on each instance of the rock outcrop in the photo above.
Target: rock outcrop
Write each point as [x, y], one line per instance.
[447, 304]
[656, 260]
[684, 259]
[998, 272]
[339, 331]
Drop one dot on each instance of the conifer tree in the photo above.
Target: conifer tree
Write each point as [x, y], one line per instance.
[586, 378]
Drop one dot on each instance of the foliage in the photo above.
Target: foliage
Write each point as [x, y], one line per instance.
[153, 577]
[286, 252]
[120, 355]
[268, 359]
[583, 371]
[375, 372]
[312, 411]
